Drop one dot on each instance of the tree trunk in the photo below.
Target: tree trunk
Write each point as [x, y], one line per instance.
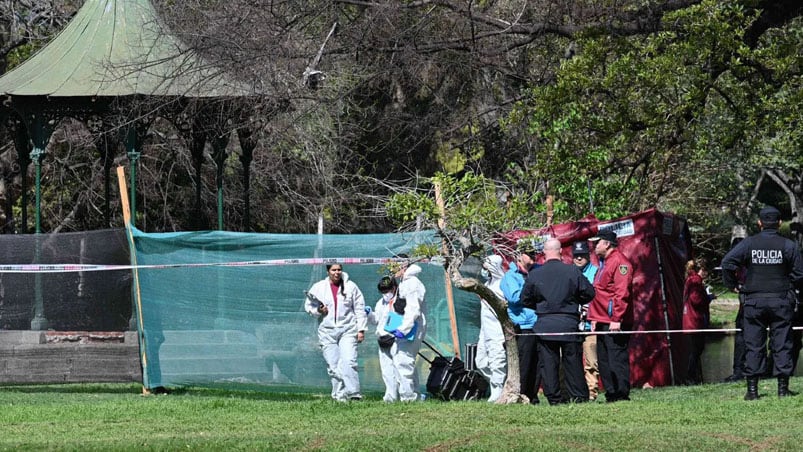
[792, 185]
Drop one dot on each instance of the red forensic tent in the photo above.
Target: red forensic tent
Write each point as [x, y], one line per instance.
[658, 245]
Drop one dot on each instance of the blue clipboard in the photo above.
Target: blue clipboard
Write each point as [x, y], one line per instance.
[395, 321]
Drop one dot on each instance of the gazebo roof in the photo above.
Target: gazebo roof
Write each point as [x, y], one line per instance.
[118, 48]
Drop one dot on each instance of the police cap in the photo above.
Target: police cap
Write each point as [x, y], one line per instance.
[607, 235]
[580, 248]
[769, 215]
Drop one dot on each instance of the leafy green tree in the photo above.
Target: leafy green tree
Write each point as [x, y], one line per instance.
[685, 118]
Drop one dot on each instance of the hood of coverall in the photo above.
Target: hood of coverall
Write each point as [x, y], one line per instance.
[493, 264]
[411, 271]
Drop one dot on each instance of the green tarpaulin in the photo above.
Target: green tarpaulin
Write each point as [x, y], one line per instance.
[224, 308]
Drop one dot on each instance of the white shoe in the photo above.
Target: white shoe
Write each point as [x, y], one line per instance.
[496, 392]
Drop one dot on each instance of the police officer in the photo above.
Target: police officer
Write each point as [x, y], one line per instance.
[557, 291]
[773, 267]
[611, 311]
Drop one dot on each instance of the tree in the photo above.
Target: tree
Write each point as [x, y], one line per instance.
[609, 107]
[26, 25]
[452, 85]
[683, 118]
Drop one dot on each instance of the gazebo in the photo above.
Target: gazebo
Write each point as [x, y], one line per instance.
[116, 68]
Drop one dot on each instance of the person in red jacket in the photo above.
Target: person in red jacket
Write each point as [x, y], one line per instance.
[696, 314]
[611, 311]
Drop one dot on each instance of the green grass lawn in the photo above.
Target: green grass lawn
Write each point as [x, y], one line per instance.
[115, 417]
[723, 312]
[724, 308]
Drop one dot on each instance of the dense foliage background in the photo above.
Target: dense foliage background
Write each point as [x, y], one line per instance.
[609, 107]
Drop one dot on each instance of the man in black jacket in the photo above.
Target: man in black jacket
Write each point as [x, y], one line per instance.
[557, 291]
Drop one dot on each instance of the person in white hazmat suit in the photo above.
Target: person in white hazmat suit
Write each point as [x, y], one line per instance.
[491, 359]
[413, 292]
[388, 350]
[340, 307]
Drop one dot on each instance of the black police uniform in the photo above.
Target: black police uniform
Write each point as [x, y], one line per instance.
[556, 291]
[773, 266]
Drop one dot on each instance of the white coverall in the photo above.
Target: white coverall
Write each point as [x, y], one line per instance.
[337, 333]
[390, 374]
[404, 352]
[491, 359]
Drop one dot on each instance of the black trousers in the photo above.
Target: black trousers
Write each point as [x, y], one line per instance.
[613, 355]
[569, 354]
[528, 363]
[738, 344]
[759, 314]
[694, 370]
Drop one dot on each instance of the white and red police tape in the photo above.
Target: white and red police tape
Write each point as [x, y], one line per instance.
[67, 268]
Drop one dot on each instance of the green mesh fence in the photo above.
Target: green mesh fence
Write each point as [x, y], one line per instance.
[226, 309]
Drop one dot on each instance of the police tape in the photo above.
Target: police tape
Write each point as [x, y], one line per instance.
[72, 268]
[633, 332]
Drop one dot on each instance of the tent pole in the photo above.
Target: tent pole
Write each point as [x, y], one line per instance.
[666, 312]
[135, 322]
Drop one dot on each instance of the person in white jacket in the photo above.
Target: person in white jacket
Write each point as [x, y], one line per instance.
[340, 307]
[413, 292]
[491, 359]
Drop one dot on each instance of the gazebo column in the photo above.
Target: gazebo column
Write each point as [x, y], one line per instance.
[106, 144]
[247, 143]
[107, 153]
[23, 145]
[219, 144]
[197, 145]
[132, 149]
[40, 130]
[134, 136]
